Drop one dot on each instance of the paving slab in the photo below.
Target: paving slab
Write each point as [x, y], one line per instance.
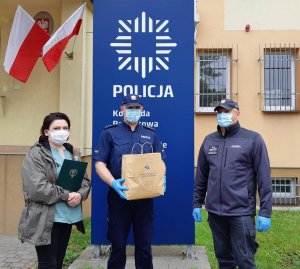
[14, 254]
[164, 257]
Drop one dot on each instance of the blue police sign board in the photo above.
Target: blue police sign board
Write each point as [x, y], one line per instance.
[146, 48]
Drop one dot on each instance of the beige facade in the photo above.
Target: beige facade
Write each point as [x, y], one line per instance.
[252, 77]
[68, 88]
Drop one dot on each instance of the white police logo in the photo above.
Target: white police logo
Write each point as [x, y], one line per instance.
[144, 64]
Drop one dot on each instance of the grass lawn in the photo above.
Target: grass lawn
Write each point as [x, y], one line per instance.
[279, 247]
[78, 242]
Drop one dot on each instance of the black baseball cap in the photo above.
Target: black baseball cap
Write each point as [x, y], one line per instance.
[132, 100]
[227, 104]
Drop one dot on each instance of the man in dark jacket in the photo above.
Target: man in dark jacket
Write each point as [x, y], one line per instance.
[233, 164]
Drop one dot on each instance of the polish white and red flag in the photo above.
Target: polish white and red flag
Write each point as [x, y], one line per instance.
[25, 44]
[55, 46]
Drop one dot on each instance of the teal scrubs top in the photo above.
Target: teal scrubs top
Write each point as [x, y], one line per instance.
[63, 212]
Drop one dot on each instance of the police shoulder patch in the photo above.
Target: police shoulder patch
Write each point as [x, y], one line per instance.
[110, 126]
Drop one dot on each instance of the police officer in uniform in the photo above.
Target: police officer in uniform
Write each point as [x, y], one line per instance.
[116, 140]
[233, 164]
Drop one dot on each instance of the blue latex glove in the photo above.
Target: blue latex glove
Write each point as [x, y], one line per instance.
[119, 188]
[263, 224]
[197, 214]
[165, 184]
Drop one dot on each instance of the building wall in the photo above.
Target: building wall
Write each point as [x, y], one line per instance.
[262, 15]
[76, 80]
[26, 104]
[68, 88]
[222, 24]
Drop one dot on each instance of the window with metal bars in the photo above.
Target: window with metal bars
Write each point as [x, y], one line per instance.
[279, 80]
[213, 79]
[285, 190]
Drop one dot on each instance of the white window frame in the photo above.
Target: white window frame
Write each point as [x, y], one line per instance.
[210, 109]
[293, 88]
[292, 185]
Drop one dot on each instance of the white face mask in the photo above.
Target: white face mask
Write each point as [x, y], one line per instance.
[59, 137]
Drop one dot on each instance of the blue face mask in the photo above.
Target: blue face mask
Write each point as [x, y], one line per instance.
[133, 115]
[224, 119]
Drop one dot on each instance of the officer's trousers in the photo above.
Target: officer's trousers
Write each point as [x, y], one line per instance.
[234, 241]
[121, 214]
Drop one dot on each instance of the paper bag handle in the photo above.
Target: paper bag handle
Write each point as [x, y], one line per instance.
[142, 147]
[134, 146]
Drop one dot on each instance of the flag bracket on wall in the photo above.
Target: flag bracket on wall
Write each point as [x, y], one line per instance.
[3, 103]
[69, 55]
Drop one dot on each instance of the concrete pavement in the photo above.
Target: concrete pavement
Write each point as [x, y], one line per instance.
[14, 254]
[164, 257]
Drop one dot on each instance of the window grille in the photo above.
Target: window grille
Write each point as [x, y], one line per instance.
[278, 78]
[213, 77]
[285, 191]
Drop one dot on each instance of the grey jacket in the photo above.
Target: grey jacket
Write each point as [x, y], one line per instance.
[41, 194]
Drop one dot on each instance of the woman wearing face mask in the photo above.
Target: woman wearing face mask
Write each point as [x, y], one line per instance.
[50, 211]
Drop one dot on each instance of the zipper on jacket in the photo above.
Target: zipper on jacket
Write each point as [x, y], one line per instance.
[225, 158]
[224, 143]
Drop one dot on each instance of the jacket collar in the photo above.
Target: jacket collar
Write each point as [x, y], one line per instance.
[230, 130]
[127, 126]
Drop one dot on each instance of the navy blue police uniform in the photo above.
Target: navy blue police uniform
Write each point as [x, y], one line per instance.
[116, 140]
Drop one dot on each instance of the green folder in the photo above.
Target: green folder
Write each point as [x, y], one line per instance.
[71, 175]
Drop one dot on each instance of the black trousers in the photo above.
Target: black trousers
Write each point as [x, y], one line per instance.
[121, 215]
[52, 256]
[234, 241]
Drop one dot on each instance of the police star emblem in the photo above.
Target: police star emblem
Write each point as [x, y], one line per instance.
[143, 64]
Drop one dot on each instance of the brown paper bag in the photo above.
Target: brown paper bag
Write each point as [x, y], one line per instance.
[144, 175]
